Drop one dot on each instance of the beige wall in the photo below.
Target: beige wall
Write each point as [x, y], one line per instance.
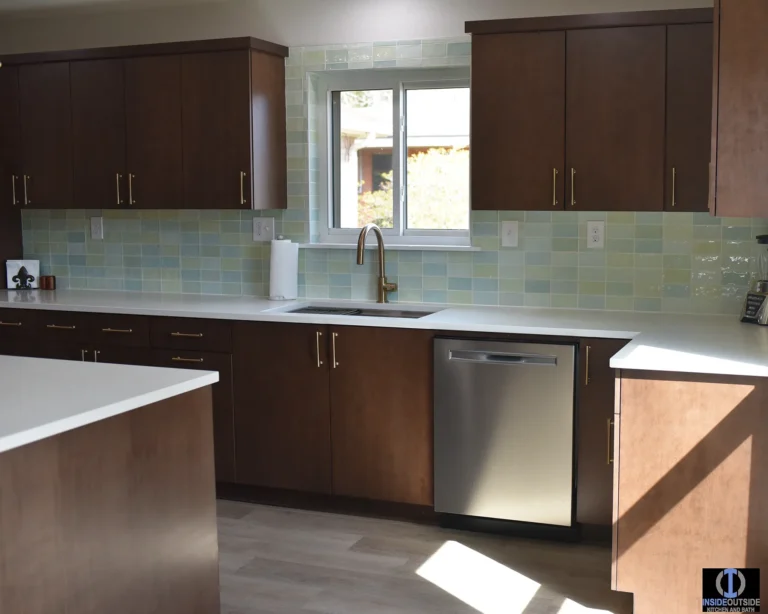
[290, 22]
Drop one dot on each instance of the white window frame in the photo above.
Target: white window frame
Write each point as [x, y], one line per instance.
[399, 81]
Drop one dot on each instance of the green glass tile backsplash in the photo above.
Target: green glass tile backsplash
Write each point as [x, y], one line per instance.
[672, 262]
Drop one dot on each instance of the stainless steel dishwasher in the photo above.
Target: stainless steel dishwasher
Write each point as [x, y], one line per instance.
[504, 421]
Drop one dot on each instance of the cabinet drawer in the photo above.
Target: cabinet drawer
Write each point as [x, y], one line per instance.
[106, 329]
[16, 325]
[60, 327]
[191, 334]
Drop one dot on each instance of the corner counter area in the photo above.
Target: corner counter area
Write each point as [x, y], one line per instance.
[106, 489]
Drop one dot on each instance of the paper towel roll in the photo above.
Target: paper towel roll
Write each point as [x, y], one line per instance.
[284, 271]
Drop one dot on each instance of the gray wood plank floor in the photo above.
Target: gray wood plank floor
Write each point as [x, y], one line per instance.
[285, 561]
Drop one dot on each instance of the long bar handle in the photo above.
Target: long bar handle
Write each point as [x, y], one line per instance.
[554, 187]
[58, 327]
[82, 355]
[188, 335]
[96, 355]
[131, 177]
[674, 186]
[318, 334]
[13, 189]
[180, 359]
[118, 177]
[26, 191]
[333, 347]
[573, 187]
[502, 358]
[242, 188]
[10, 323]
[125, 331]
[609, 447]
[586, 376]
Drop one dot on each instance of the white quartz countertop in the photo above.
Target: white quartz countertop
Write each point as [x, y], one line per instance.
[42, 398]
[718, 345]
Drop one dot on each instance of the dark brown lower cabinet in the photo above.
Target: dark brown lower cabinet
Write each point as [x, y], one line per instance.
[282, 415]
[595, 430]
[381, 414]
[223, 403]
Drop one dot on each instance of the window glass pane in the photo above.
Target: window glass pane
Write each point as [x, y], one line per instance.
[437, 122]
[363, 158]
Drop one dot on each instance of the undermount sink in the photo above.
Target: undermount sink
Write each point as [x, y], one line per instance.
[370, 312]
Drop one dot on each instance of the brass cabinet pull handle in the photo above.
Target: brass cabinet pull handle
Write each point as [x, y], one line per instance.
[573, 187]
[180, 359]
[118, 177]
[609, 457]
[318, 334]
[26, 193]
[10, 323]
[554, 187]
[194, 335]
[96, 355]
[333, 347]
[242, 188]
[13, 189]
[586, 376]
[126, 331]
[674, 186]
[131, 177]
[58, 327]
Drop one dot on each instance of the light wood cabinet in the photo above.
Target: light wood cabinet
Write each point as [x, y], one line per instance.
[739, 157]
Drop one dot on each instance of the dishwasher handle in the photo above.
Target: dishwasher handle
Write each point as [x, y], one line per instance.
[502, 358]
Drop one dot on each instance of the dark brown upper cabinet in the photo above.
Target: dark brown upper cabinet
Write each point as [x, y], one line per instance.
[234, 130]
[197, 125]
[689, 116]
[10, 174]
[739, 176]
[46, 135]
[98, 133]
[518, 121]
[615, 119]
[587, 123]
[155, 166]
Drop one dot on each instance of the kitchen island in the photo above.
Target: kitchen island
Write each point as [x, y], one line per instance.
[107, 500]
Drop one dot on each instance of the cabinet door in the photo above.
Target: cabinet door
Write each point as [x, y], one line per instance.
[689, 116]
[153, 118]
[217, 130]
[381, 414]
[740, 143]
[122, 356]
[518, 121]
[282, 413]
[615, 120]
[223, 403]
[10, 174]
[595, 447]
[98, 133]
[46, 128]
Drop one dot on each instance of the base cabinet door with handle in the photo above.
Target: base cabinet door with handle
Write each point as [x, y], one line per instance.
[596, 390]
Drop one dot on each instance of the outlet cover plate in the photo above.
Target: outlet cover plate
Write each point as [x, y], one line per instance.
[510, 234]
[596, 235]
[97, 228]
[263, 229]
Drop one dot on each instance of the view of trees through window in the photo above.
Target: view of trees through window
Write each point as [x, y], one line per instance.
[436, 164]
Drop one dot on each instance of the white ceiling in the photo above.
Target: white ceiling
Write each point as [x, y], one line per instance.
[19, 7]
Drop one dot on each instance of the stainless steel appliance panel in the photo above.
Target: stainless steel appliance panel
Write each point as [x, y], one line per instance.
[504, 420]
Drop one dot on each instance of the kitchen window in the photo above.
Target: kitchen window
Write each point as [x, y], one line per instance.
[394, 151]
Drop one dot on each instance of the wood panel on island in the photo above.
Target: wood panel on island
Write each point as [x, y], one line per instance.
[195, 125]
[611, 95]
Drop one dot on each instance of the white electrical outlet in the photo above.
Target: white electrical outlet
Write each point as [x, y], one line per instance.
[510, 234]
[97, 228]
[263, 229]
[596, 235]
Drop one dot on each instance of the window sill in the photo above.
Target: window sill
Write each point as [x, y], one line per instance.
[397, 248]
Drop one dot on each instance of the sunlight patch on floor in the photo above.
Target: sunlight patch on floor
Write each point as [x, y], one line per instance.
[486, 585]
